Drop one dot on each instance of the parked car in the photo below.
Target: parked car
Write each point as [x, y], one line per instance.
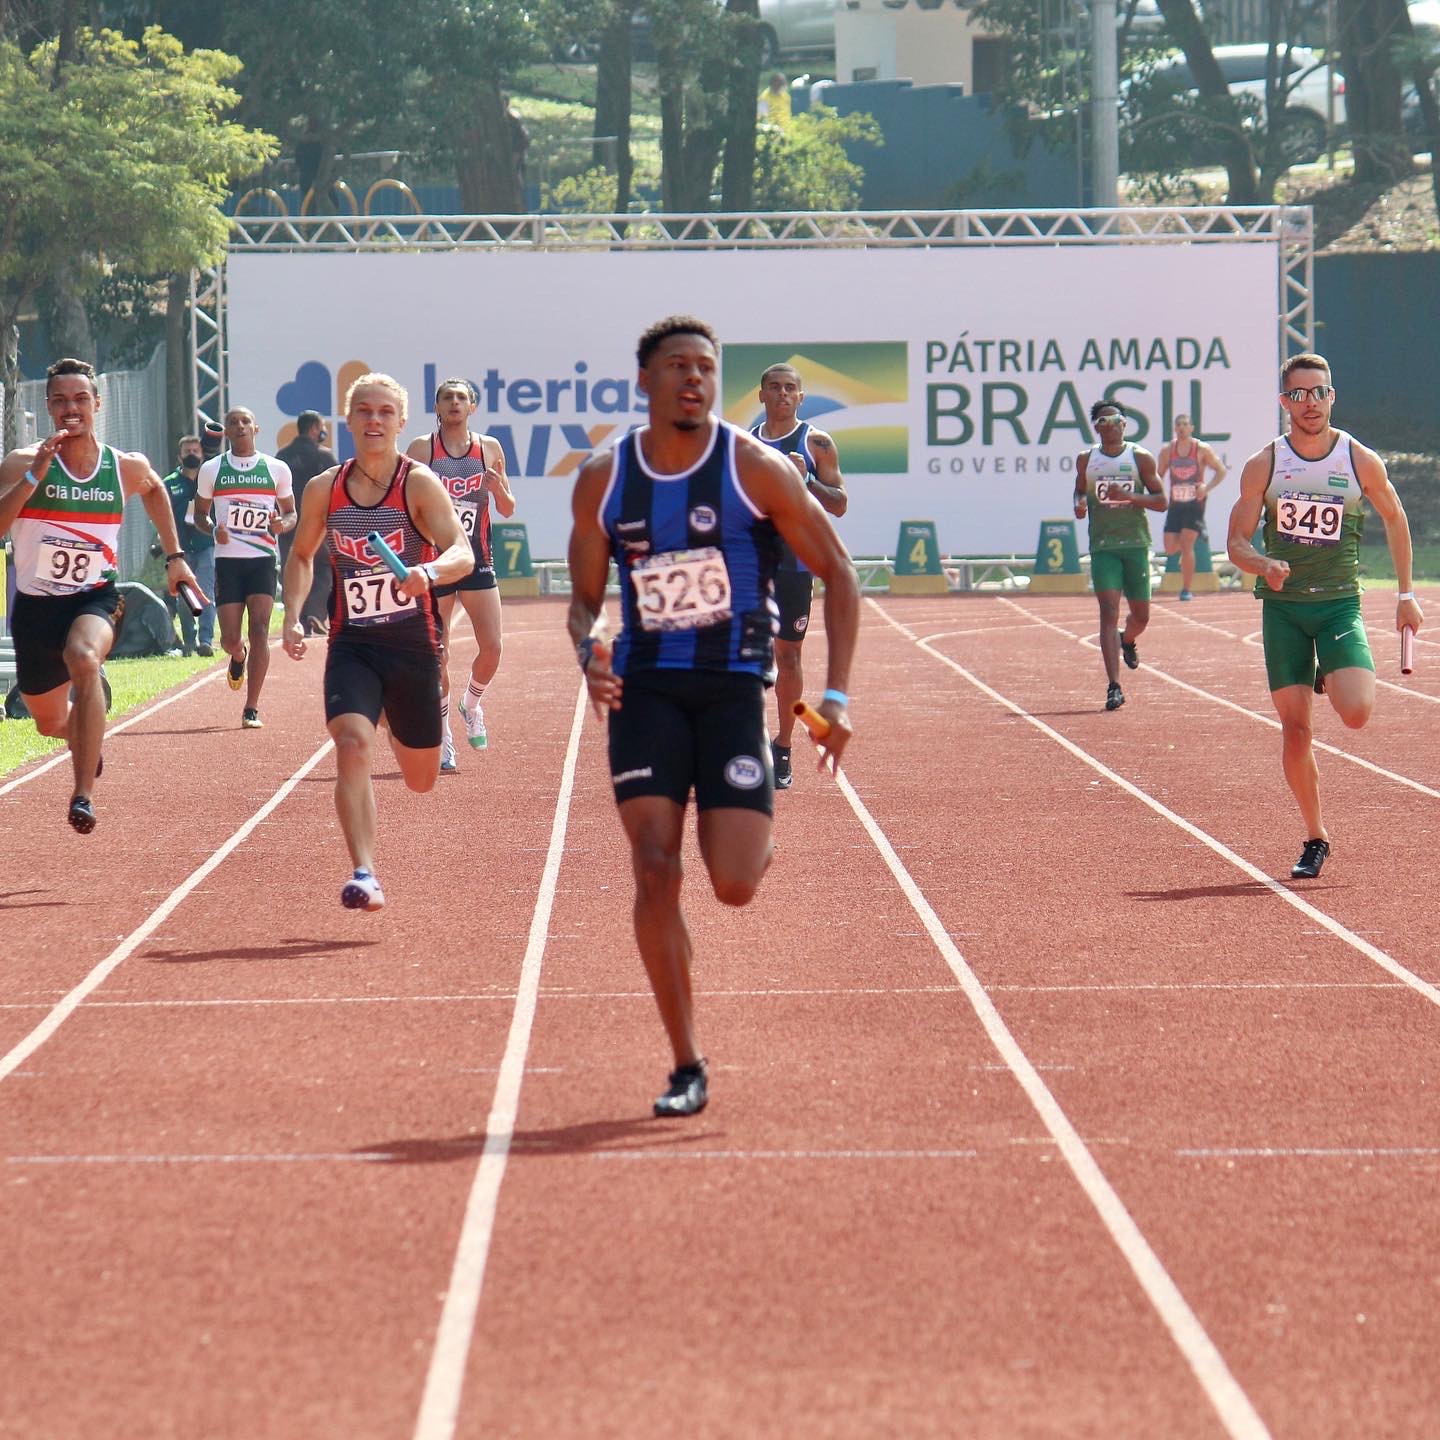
[1309, 82]
[788, 28]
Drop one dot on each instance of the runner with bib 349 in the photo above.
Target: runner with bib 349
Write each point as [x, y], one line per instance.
[1309, 485]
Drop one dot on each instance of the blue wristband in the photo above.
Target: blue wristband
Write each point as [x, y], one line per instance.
[31, 478]
[838, 696]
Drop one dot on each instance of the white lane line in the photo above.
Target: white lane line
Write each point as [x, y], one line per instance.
[320, 1158]
[64, 754]
[1090, 642]
[1231, 1404]
[157, 917]
[440, 1403]
[1312, 1152]
[774, 993]
[1327, 922]
[676, 1154]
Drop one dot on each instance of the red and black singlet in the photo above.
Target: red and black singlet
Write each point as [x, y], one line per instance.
[366, 603]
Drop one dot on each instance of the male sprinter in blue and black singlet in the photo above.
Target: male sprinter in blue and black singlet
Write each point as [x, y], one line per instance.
[1308, 486]
[691, 509]
[62, 501]
[817, 462]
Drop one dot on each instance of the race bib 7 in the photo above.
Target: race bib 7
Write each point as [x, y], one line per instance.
[682, 589]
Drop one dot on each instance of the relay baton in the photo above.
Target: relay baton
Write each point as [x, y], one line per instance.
[812, 720]
[195, 602]
[1407, 649]
[396, 564]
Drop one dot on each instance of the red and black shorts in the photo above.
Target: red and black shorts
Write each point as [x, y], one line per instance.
[403, 682]
[700, 730]
[40, 625]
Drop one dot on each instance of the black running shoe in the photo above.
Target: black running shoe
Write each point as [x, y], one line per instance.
[250, 718]
[1114, 696]
[1128, 653]
[235, 675]
[688, 1091]
[1312, 857]
[784, 777]
[82, 814]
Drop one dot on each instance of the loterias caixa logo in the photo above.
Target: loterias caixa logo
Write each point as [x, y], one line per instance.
[857, 390]
[552, 423]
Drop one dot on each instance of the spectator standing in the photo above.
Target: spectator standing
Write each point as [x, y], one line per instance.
[180, 485]
[307, 457]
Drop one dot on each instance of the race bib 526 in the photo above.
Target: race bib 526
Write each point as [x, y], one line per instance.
[682, 589]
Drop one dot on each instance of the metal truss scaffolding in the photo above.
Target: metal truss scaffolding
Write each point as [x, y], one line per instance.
[1289, 228]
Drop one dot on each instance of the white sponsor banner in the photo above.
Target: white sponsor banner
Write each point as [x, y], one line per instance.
[956, 382]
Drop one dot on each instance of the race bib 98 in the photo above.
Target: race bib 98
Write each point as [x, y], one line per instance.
[1309, 519]
[682, 589]
[375, 595]
[68, 564]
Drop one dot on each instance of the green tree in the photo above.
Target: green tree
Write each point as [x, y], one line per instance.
[803, 166]
[1369, 30]
[117, 156]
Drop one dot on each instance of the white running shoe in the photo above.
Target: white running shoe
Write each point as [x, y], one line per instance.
[447, 753]
[362, 892]
[474, 726]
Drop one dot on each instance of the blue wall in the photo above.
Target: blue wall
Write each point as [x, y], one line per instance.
[935, 137]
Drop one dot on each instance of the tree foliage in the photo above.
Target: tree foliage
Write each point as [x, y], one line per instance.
[118, 155]
[803, 165]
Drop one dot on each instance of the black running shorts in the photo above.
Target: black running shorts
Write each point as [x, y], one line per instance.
[40, 625]
[363, 679]
[678, 730]
[794, 590]
[482, 577]
[237, 580]
[1185, 515]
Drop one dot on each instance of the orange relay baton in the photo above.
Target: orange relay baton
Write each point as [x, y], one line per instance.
[812, 720]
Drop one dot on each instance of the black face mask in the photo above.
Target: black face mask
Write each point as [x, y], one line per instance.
[190, 462]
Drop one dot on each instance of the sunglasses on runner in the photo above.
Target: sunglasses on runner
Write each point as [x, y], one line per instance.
[1109, 419]
[1300, 394]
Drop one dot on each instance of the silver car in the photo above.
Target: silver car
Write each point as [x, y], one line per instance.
[797, 27]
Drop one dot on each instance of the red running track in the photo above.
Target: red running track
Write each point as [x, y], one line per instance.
[1038, 1108]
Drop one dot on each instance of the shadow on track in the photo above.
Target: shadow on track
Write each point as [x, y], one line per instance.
[633, 1134]
[285, 950]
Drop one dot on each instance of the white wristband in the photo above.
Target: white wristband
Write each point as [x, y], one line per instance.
[1406, 595]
